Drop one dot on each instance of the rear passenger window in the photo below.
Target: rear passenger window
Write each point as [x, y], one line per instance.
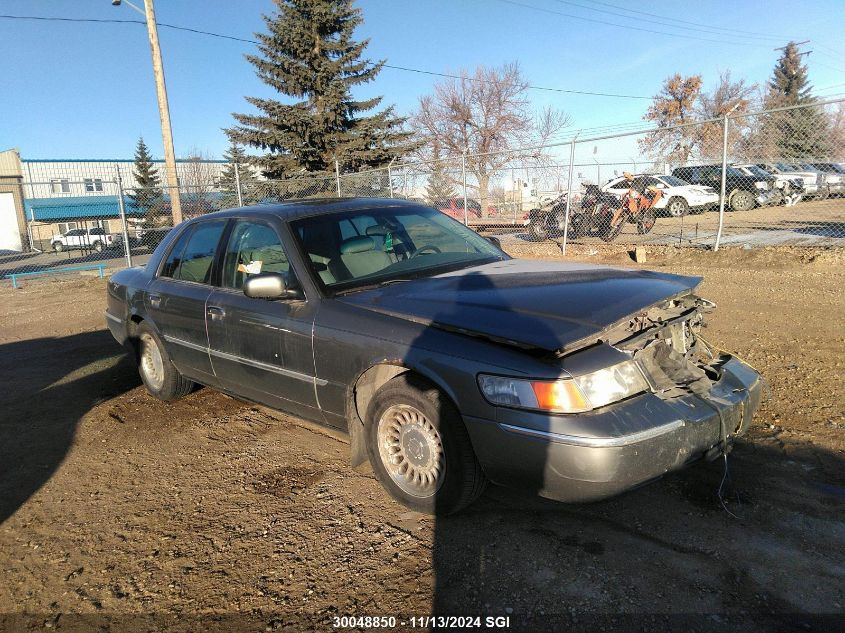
[193, 254]
[253, 248]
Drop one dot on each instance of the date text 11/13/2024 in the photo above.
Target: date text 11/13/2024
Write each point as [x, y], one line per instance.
[423, 621]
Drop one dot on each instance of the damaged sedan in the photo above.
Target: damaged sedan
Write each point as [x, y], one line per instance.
[448, 363]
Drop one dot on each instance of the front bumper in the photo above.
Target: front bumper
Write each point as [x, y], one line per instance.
[769, 196]
[592, 456]
[703, 200]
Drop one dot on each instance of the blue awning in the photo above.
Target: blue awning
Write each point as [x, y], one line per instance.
[75, 208]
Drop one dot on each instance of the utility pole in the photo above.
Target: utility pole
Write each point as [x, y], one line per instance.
[163, 107]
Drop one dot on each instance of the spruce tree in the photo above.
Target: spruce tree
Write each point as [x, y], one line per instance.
[236, 159]
[440, 184]
[801, 134]
[309, 57]
[147, 195]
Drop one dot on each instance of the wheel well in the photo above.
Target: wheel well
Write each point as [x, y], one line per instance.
[370, 382]
[132, 325]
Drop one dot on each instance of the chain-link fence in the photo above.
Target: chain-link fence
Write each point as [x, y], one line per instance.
[764, 178]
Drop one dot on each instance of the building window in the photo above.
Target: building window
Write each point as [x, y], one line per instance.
[60, 186]
[93, 184]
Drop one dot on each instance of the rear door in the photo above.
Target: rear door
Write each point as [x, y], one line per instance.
[175, 299]
[261, 349]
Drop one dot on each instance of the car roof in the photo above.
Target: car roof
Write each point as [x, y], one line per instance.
[295, 209]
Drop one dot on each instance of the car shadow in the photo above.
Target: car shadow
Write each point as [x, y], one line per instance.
[50, 384]
[668, 556]
[694, 550]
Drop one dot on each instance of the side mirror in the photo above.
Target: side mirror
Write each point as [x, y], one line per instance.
[269, 286]
[495, 241]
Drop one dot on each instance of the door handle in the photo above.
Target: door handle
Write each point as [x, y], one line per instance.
[155, 301]
[215, 313]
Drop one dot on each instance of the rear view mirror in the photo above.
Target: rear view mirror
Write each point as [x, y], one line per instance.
[495, 241]
[269, 286]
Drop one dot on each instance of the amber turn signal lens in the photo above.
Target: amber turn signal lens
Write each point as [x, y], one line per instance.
[560, 395]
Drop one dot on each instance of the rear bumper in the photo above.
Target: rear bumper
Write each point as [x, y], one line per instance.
[634, 441]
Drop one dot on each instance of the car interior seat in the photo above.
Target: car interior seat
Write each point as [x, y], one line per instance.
[360, 256]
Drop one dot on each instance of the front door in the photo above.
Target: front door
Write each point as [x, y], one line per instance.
[175, 299]
[261, 349]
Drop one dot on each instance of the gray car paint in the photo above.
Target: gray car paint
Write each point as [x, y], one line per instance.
[495, 318]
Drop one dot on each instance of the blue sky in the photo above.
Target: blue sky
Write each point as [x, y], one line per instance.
[86, 90]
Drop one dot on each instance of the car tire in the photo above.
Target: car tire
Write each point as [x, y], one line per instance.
[98, 246]
[742, 200]
[158, 373]
[823, 193]
[58, 247]
[419, 447]
[677, 207]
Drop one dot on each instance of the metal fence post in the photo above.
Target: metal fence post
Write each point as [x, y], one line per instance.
[390, 175]
[122, 208]
[337, 176]
[464, 172]
[568, 196]
[238, 185]
[722, 189]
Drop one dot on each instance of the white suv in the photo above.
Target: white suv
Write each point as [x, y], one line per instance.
[679, 196]
[95, 238]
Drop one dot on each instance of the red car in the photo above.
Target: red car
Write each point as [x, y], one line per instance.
[454, 207]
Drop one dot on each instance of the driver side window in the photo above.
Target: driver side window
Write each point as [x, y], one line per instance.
[253, 248]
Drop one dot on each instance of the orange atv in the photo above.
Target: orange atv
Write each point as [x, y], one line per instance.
[637, 208]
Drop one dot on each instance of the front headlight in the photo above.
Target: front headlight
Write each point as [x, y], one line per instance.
[566, 395]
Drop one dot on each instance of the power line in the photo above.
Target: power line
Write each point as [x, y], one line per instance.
[249, 41]
[624, 26]
[742, 32]
[531, 87]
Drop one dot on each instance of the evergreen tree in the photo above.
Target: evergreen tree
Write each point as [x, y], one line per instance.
[308, 56]
[801, 134]
[236, 159]
[440, 184]
[147, 195]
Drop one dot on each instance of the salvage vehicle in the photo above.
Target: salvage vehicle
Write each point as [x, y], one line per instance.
[447, 362]
[834, 176]
[742, 192]
[815, 182]
[790, 188]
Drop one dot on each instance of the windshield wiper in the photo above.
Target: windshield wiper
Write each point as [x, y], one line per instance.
[392, 281]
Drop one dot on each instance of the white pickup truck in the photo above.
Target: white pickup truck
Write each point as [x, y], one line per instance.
[95, 238]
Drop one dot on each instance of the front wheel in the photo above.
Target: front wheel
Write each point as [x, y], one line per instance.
[58, 247]
[159, 374]
[742, 200]
[823, 193]
[419, 448]
[677, 207]
[98, 246]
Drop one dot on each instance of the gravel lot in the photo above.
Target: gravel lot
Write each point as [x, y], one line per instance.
[120, 511]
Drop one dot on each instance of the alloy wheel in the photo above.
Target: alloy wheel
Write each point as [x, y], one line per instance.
[411, 450]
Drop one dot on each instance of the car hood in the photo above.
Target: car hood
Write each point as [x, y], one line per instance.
[535, 304]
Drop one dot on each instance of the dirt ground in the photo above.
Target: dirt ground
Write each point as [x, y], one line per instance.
[119, 512]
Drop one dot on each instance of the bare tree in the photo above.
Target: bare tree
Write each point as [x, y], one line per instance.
[198, 178]
[486, 114]
[727, 96]
[674, 105]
